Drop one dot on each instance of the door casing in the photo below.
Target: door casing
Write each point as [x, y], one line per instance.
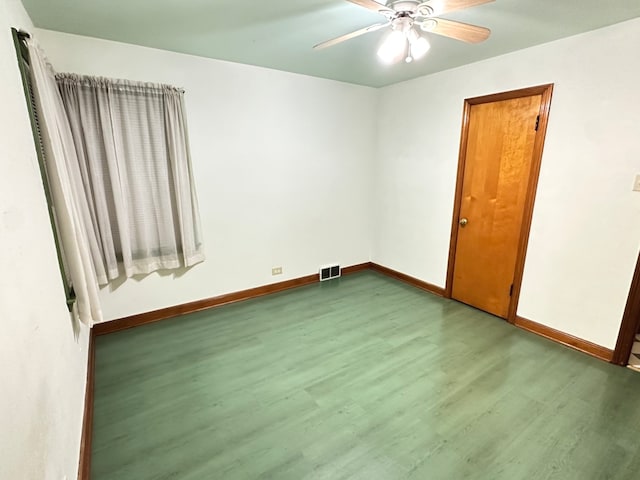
[546, 92]
[630, 321]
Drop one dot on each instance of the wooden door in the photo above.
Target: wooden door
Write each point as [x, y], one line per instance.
[494, 196]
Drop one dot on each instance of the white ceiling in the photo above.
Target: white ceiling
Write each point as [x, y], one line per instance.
[280, 34]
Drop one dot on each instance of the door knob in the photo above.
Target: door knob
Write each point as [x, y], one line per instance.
[463, 222]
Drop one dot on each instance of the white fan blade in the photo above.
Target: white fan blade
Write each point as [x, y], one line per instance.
[457, 30]
[440, 7]
[371, 5]
[348, 36]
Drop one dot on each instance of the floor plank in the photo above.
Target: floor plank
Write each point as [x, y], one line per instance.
[361, 377]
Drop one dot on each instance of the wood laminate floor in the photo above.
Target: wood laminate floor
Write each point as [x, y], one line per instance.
[361, 378]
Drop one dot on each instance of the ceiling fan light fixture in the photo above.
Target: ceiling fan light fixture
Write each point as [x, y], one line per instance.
[412, 35]
[393, 48]
[418, 45]
[419, 48]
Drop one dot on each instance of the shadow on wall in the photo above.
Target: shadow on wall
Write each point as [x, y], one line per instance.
[113, 285]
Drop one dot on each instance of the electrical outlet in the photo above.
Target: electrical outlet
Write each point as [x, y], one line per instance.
[636, 184]
[276, 271]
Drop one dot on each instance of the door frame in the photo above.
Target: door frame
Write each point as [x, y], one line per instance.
[630, 321]
[546, 92]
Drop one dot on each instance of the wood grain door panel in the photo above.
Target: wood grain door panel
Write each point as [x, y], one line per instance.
[499, 152]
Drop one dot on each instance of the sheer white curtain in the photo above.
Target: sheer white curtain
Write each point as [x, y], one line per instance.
[66, 187]
[132, 146]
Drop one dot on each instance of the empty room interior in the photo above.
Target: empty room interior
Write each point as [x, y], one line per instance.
[328, 239]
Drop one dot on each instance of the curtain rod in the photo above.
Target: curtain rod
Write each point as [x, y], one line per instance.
[24, 34]
[130, 85]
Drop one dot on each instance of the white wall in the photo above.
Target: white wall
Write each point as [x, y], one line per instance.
[281, 163]
[586, 230]
[267, 145]
[42, 366]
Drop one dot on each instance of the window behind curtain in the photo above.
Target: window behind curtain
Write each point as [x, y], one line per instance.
[132, 145]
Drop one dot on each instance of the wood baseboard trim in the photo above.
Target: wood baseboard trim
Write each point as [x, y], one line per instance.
[566, 339]
[191, 307]
[356, 268]
[439, 291]
[84, 467]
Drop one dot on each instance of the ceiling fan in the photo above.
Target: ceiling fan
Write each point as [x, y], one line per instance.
[404, 17]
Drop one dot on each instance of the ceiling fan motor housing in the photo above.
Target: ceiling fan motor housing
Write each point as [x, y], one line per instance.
[411, 8]
[404, 6]
[406, 13]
